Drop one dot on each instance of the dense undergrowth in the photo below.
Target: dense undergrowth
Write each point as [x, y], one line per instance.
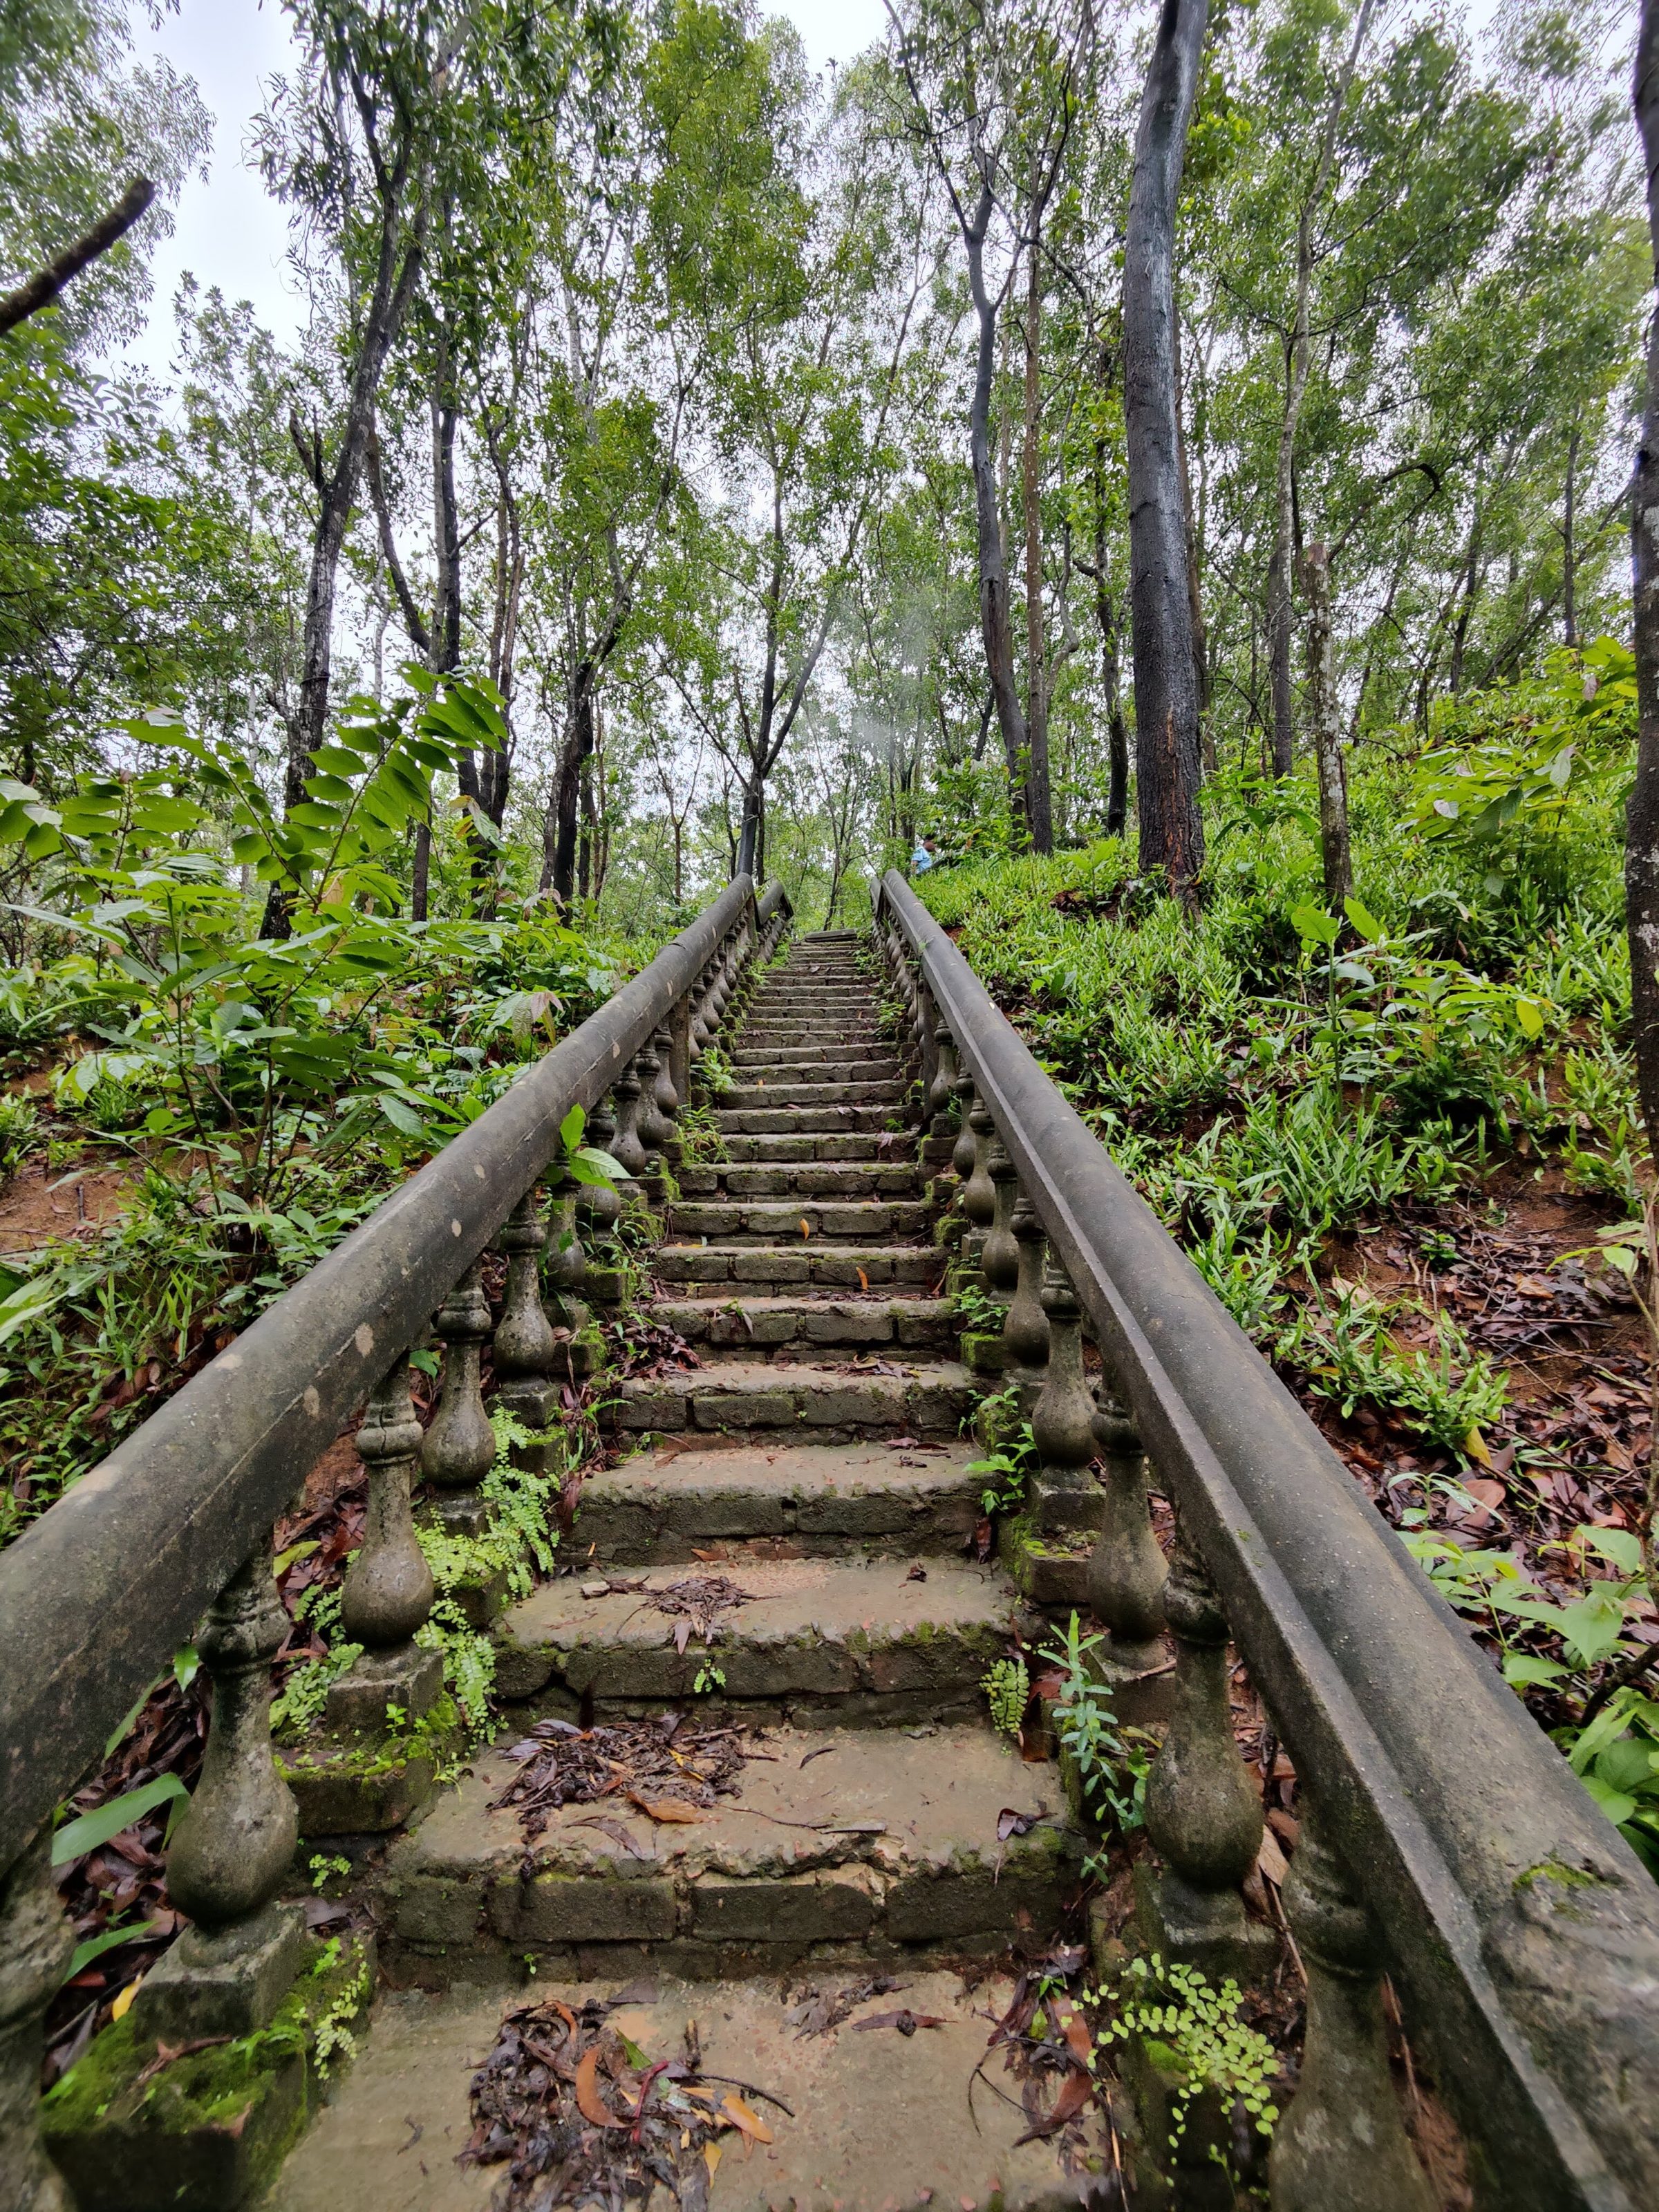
[1398, 1141]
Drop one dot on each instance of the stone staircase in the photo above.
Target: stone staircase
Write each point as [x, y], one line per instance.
[816, 1459]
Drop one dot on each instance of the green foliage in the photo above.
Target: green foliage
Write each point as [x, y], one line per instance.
[1447, 1395]
[1112, 1762]
[1007, 1687]
[1193, 2033]
[1006, 1472]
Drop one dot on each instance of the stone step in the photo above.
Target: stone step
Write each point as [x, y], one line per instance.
[712, 1270]
[800, 1121]
[784, 1037]
[848, 1056]
[763, 1324]
[875, 2119]
[907, 1859]
[776, 1149]
[770, 1221]
[794, 1087]
[832, 1179]
[822, 1642]
[932, 1398]
[811, 1501]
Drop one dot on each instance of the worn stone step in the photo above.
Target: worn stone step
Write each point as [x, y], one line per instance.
[932, 1398]
[832, 1179]
[791, 1088]
[710, 1270]
[876, 2122]
[800, 1121]
[783, 1037]
[806, 1500]
[907, 1859]
[778, 1147]
[768, 1221]
[764, 1323]
[849, 1056]
[824, 1643]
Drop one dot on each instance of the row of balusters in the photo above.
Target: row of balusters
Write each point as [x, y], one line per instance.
[1344, 2139]
[234, 1848]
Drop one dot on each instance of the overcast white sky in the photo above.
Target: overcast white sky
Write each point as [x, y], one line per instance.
[229, 233]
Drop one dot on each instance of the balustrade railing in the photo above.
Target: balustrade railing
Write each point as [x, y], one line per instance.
[174, 1528]
[1443, 1840]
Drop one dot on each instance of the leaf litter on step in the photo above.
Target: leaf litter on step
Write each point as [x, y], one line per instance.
[579, 2115]
[662, 1767]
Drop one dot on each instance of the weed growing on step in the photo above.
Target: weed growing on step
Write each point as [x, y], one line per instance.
[1192, 2032]
[1007, 1687]
[1111, 1762]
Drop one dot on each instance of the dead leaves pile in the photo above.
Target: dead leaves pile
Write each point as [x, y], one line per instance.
[662, 1767]
[1046, 2043]
[696, 1604]
[579, 2116]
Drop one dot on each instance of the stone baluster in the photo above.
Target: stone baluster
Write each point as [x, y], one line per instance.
[1025, 1325]
[524, 1351]
[998, 1258]
[698, 1023]
[965, 1151]
[459, 1448]
[626, 1148]
[666, 1094]
[979, 1197]
[943, 1087]
[1127, 1572]
[1063, 1494]
[388, 1588]
[36, 1941]
[1202, 1816]
[600, 1205]
[231, 1969]
[1342, 2147]
[648, 1123]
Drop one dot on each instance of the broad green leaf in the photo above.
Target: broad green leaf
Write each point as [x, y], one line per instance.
[570, 1129]
[111, 1940]
[94, 1829]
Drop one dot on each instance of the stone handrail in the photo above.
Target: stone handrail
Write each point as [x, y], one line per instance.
[174, 1526]
[1444, 1840]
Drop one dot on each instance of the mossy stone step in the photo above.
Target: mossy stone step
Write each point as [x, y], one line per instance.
[770, 1221]
[802, 1120]
[875, 2121]
[879, 1842]
[833, 1643]
[710, 1270]
[762, 1324]
[739, 1396]
[832, 1179]
[865, 1145]
[791, 1088]
[816, 1500]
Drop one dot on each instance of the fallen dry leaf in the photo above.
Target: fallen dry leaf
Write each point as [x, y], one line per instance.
[665, 1809]
[592, 2107]
[905, 2021]
[738, 2114]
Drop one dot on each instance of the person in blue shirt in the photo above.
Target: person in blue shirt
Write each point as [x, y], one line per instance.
[922, 859]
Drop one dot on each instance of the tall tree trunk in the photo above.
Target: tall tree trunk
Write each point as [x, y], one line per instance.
[993, 607]
[1298, 363]
[1473, 572]
[395, 279]
[1642, 819]
[563, 816]
[1569, 552]
[1161, 621]
[1039, 805]
[1117, 736]
[1326, 734]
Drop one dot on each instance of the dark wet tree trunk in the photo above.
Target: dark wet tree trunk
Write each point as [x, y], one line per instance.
[1166, 671]
[1642, 822]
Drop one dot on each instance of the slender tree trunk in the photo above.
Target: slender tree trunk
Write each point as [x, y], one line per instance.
[1471, 594]
[1298, 365]
[1642, 820]
[389, 299]
[1323, 706]
[994, 606]
[1117, 736]
[1569, 552]
[1161, 621]
[1039, 805]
